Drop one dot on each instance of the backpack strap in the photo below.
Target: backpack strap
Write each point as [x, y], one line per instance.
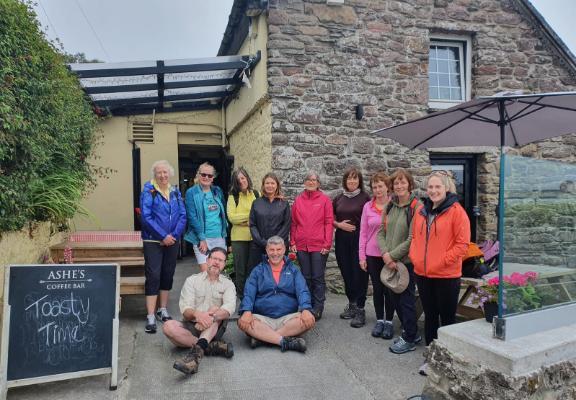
[411, 210]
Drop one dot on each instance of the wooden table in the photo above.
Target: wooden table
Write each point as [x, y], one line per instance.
[549, 273]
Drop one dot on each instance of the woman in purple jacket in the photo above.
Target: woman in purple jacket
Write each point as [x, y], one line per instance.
[369, 252]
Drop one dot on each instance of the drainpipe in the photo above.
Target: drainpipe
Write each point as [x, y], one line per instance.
[223, 124]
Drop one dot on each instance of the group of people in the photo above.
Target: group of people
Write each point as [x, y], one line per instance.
[390, 234]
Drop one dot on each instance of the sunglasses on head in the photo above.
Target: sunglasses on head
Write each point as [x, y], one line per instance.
[204, 175]
[442, 172]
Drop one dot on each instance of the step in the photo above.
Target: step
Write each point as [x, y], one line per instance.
[132, 285]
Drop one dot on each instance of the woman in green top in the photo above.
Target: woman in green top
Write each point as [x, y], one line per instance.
[240, 200]
[394, 242]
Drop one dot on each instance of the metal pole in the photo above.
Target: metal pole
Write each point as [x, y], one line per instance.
[502, 124]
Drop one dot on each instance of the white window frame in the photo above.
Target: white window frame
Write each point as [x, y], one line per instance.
[464, 45]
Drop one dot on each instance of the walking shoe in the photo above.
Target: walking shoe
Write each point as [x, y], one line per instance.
[162, 315]
[401, 346]
[220, 348]
[150, 325]
[359, 319]
[190, 362]
[378, 329]
[293, 343]
[388, 332]
[423, 370]
[255, 343]
[417, 340]
[349, 311]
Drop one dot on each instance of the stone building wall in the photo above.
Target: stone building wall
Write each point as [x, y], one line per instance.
[324, 60]
[250, 142]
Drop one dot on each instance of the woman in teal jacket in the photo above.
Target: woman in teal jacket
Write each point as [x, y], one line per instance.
[206, 215]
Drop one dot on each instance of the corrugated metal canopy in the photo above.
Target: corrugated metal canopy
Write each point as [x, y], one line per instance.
[164, 86]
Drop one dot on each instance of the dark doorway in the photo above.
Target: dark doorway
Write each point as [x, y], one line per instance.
[463, 169]
[136, 186]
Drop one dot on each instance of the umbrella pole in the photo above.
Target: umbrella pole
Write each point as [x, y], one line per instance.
[502, 124]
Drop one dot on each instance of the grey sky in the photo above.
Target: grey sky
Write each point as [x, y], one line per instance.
[133, 30]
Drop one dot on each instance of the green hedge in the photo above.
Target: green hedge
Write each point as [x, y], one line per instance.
[46, 125]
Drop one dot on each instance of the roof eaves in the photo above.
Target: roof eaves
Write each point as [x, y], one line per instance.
[237, 14]
[566, 57]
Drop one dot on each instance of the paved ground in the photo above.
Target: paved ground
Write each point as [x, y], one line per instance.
[341, 363]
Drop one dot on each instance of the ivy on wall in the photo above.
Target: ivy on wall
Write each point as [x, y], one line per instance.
[46, 125]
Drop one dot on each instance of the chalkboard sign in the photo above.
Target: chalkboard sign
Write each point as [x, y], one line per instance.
[60, 322]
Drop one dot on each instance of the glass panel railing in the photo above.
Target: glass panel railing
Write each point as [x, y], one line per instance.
[539, 268]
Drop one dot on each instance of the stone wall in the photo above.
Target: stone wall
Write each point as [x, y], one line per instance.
[451, 378]
[250, 142]
[324, 60]
[28, 246]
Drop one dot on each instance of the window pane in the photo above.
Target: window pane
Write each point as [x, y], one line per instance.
[433, 80]
[454, 67]
[443, 66]
[433, 66]
[455, 80]
[443, 52]
[452, 53]
[444, 93]
[432, 53]
[433, 93]
[456, 94]
[443, 80]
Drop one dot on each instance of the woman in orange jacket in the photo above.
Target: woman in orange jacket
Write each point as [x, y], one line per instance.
[440, 238]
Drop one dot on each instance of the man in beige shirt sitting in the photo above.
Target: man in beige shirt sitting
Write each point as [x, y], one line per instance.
[207, 300]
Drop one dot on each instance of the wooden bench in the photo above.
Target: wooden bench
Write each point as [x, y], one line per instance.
[128, 254]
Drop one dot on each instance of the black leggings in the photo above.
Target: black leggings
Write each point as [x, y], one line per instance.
[439, 300]
[355, 279]
[380, 293]
[160, 264]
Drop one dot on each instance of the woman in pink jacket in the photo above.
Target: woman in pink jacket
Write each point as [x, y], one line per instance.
[369, 252]
[311, 237]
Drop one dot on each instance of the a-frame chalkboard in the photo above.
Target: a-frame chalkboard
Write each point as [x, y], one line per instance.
[60, 322]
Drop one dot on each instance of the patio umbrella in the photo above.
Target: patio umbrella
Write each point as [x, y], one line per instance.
[501, 120]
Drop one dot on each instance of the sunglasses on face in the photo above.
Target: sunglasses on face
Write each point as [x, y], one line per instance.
[204, 175]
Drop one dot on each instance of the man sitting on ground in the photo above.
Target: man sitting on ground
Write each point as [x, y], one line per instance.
[207, 300]
[276, 304]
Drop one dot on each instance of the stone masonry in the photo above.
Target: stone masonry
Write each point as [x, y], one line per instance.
[324, 60]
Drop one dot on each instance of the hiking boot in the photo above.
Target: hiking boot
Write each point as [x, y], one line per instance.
[388, 332]
[150, 325]
[255, 343]
[220, 348]
[162, 315]
[190, 362]
[401, 346]
[293, 343]
[378, 329]
[317, 314]
[349, 311]
[359, 319]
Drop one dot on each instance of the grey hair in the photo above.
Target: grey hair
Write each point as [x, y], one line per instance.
[447, 181]
[157, 164]
[314, 174]
[275, 240]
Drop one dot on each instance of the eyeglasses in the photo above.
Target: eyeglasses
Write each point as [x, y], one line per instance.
[203, 175]
[311, 180]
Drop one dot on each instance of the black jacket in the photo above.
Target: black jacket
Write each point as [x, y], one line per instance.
[269, 219]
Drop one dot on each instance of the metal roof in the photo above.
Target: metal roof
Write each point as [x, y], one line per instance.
[164, 86]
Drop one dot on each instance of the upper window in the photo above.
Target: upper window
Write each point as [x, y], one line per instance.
[448, 73]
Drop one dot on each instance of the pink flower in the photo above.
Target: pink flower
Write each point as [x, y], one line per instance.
[531, 276]
[493, 281]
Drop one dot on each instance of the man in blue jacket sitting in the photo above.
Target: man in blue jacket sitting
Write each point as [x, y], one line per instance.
[276, 304]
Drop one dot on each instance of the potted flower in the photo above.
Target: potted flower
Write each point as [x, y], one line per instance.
[520, 294]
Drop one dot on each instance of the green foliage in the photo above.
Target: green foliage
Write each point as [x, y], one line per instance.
[540, 214]
[46, 123]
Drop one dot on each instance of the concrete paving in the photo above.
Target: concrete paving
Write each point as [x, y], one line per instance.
[341, 363]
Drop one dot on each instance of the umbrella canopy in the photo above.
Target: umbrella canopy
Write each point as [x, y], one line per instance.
[525, 118]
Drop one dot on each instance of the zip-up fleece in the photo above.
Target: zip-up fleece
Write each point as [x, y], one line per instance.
[370, 225]
[312, 219]
[195, 213]
[437, 248]
[161, 217]
[395, 238]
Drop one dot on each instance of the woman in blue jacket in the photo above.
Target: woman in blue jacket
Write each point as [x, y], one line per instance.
[206, 215]
[163, 222]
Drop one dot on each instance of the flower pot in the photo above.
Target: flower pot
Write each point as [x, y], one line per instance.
[490, 310]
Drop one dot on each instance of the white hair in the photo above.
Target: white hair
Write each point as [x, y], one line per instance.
[159, 163]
